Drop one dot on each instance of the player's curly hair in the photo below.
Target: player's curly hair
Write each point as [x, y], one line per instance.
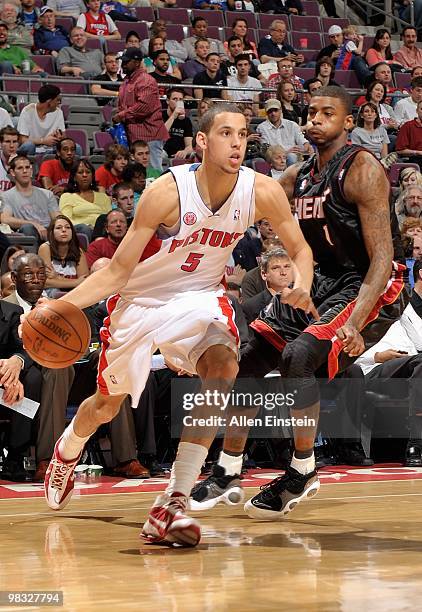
[332, 91]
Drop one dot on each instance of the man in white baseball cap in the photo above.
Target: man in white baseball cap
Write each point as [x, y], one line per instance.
[333, 50]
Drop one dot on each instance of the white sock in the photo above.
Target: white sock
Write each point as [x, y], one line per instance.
[231, 463]
[303, 466]
[186, 468]
[71, 445]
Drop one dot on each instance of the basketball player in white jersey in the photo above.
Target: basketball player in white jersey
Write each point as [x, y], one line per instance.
[173, 301]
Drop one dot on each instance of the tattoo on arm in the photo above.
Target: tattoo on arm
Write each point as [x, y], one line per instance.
[368, 188]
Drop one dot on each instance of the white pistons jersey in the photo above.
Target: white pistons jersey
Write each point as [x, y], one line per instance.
[194, 258]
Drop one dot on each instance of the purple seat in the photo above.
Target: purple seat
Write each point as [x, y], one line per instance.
[83, 243]
[311, 8]
[94, 43]
[127, 26]
[11, 84]
[367, 42]
[174, 15]
[175, 32]
[396, 169]
[72, 88]
[185, 4]
[107, 112]
[266, 20]
[115, 46]
[305, 24]
[347, 78]
[402, 80]
[145, 13]
[80, 137]
[215, 18]
[66, 22]
[313, 40]
[45, 62]
[261, 166]
[102, 140]
[249, 17]
[305, 73]
[327, 22]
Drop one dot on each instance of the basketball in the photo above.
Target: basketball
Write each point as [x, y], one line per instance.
[56, 334]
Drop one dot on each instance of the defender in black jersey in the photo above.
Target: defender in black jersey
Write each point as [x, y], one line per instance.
[341, 199]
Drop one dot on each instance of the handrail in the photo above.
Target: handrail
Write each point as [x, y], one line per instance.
[386, 13]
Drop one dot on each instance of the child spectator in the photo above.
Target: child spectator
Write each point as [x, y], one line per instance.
[117, 158]
[140, 153]
[135, 175]
[96, 23]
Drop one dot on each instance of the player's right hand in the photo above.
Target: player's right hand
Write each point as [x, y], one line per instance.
[299, 298]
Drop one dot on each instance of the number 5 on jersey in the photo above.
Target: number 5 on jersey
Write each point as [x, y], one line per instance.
[192, 262]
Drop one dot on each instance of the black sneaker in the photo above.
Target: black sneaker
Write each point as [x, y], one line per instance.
[282, 494]
[215, 489]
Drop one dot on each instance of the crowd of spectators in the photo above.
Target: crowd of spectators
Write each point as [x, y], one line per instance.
[156, 88]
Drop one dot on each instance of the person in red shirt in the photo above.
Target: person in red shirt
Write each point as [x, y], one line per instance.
[96, 23]
[54, 173]
[139, 106]
[116, 228]
[409, 138]
[117, 158]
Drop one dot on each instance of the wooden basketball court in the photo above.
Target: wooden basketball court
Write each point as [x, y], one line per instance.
[356, 546]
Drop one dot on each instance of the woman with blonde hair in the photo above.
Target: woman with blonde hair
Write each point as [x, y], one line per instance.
[277, 158]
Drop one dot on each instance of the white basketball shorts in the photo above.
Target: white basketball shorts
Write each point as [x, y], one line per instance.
[182, 329]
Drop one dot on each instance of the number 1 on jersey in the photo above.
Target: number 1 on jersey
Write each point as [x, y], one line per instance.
[192, 262]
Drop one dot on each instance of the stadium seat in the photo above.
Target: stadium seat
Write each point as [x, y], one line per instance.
[347, 78]
[115, 46]
[45, 62]
[94, 43]
[174, 15]
[327, 22]
[107, 112]
[261, 166]
[249, 17]
[128, 26]
[313, 40]
[215, 18]
[66, 22]
[179, 162]
[83, 241]
[184, 4]
[396, 169]
[305, 24]
[176, 32]
[145, 13]
[102, 140]
[311, 7]
[305, 73]
[402, 79]
[266, 20]
[72, 88]
[81, 138]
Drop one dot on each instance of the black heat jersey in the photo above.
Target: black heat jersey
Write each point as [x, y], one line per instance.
[330, 223]
[332, 228]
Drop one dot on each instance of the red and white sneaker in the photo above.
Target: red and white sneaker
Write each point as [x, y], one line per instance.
[167, 523]
[59, 480]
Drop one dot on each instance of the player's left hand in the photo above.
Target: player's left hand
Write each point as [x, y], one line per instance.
[299, 298]
[13, 393]
[353, 344]
[10, 370]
